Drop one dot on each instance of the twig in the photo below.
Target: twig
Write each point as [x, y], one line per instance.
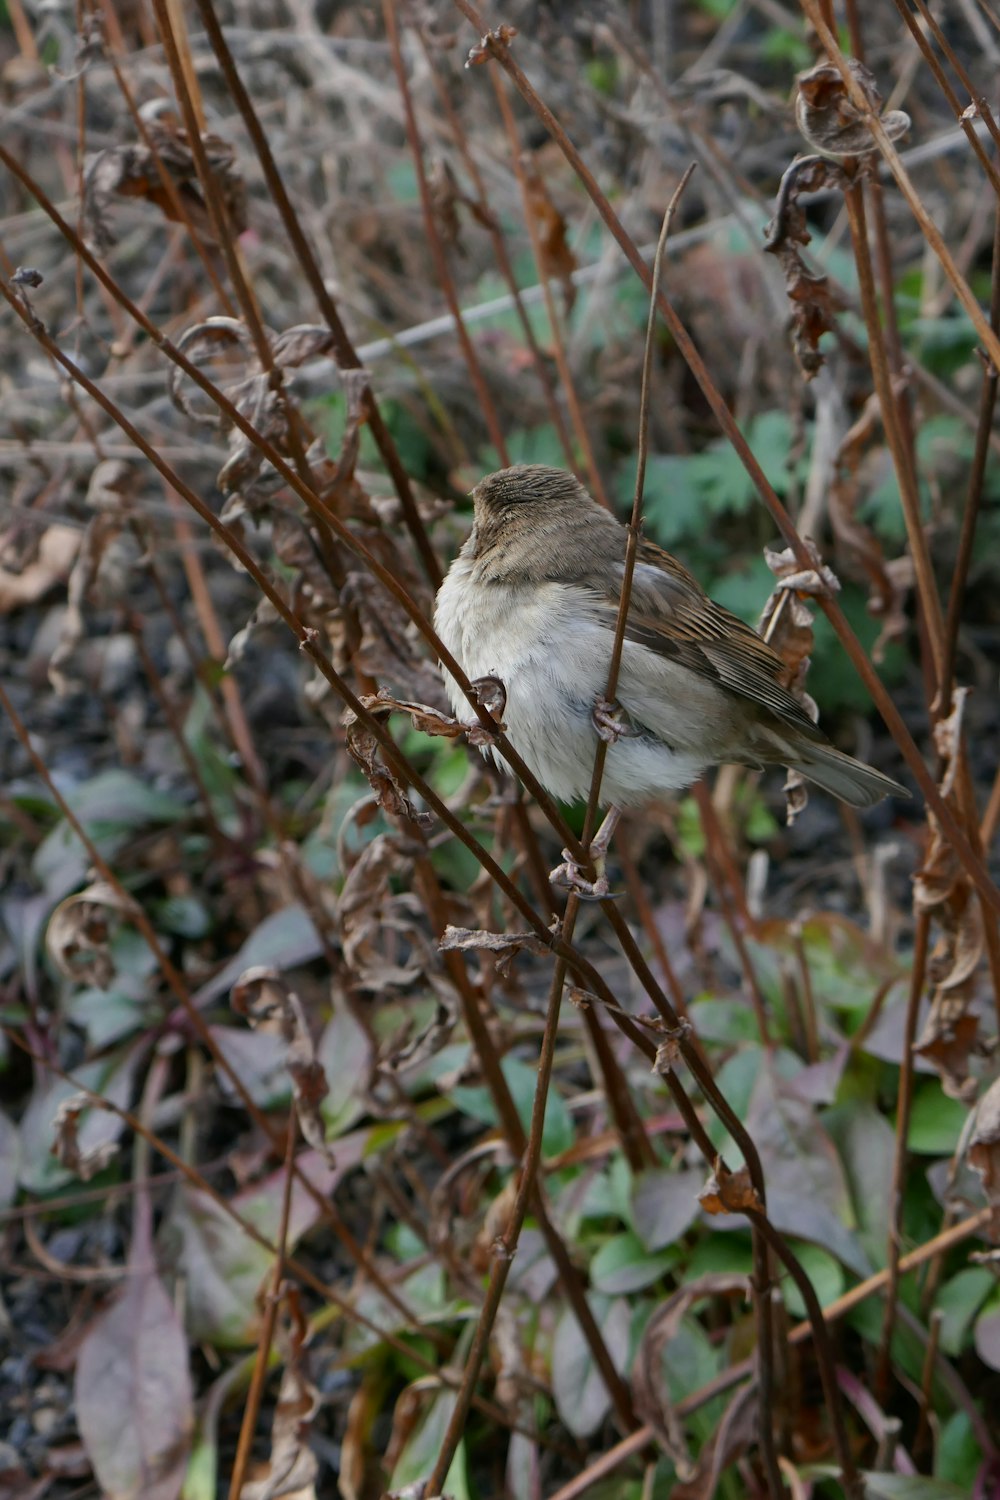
[635, 521]
[445, 280]
[272, 1300]
[580, 427]
[906, 1074]
[974, 494]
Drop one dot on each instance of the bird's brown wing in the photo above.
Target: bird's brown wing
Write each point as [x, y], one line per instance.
[670, 614]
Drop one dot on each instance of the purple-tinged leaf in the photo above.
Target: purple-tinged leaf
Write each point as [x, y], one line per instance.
[133, 1393]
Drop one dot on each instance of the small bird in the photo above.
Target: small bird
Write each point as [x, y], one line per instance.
[532, 601]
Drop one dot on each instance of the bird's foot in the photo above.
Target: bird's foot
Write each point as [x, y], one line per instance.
[491, 694]
[569, 876]
[611, 721]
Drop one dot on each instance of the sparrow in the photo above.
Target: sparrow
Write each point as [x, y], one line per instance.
[532, 601]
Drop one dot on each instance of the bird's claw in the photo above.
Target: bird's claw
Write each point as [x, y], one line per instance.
[491, 694]
[570, 877]
[610, 721]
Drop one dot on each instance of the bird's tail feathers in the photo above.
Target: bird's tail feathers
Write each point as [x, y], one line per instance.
[843, 776]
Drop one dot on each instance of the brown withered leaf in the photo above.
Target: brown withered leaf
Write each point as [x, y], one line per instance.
[409, 1048]
[50, 565]
[100, 574]
[950, 1036]
[445, 197]
[786, 623]
[78, 937]
[648, 1383]
[505, 944]
[669, 1053]
[131, 172]
[388, 650]
[384, 944]
[366, 752]
[66, 1148]
[290, 1470]
[224, 347]
[728, 1192]
[814, 304]
[984, 1151]
[828, 117]
[262, 996]
[422, 716]
[482, 52]
[557, 259]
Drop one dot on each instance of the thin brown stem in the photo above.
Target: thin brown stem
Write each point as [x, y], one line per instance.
[442, 271]
[580, 427]
[906, 1077]
[265, 1339]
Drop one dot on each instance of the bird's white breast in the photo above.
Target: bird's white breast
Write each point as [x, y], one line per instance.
[552, 655]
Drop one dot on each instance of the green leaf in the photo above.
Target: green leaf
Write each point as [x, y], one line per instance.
[110, 807]
[910, 1487]
[623, 1264]
[986, 1335]
[558, 1133]
[958, 1301]
[346, 1054]
[184, 915]
[866, 1144]
[529, 445]
[581, 1395]
[664, 1205]
[823, 1271]
[723, 1252]
[673, 499]
[958, 1456]
[936, 1122]
[418, 1456]
[731, 1021]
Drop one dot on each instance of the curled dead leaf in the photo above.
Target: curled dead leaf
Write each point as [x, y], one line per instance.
[651, 1398]
[830, 120]
[669, 1053]
[31, 577]
[813, 302]
[786, 623]
[382, 934]
[422, 716]
[950, 1036]
[983, 1151]
[137, 171]
[100, 573]
[366, 753]
[728, 1192]
[66, 1148]
[411, 1048]
[291, 1467]
[557, 259]
[262, 996]
[506, 945]
[78, 937]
